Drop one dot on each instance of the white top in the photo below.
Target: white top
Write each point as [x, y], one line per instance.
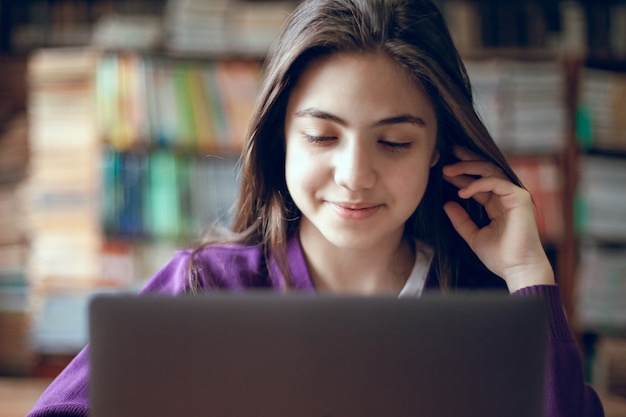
[415, 283]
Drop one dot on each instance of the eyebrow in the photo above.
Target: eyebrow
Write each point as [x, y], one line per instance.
[401, 118]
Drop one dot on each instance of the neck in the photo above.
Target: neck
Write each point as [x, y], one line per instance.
[381, 269]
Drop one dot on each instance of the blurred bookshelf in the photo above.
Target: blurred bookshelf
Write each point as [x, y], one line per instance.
[579, 175]
[600, 218]
[15, 355]
[122, 132]
[125, 119]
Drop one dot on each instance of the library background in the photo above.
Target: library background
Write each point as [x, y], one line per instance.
[113, 113]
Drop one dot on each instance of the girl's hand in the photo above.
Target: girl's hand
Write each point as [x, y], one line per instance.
[509, 245]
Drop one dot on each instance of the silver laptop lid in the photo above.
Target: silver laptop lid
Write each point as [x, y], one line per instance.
[261, 354]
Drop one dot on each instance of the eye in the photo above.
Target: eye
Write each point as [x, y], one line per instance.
[395, 146]
[318, 139]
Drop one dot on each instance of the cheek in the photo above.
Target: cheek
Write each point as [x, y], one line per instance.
[411, 185]
[301, 171]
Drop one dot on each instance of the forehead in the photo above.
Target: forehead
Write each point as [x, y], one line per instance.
[338, 65]
[373, 84]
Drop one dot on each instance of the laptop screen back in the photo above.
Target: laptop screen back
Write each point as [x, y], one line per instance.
[261, 354]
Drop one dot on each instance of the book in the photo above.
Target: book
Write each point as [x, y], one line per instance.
[230, 27]
[196, 27]
[111, 162]
[601, 287]
[238, 82]
[609, 370]
[62, 191]
[542, 178]
[601, 198]
[133, 169]
[12, 88]
[167, 117]
[203, 116]
[465, 23]
[163, 205]
[602, 98]
[186, 135]
[124, 31]
[521, 103]
[222, 128]
[16, 355]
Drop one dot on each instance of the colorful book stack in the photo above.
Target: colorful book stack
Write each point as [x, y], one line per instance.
[600, 214]
[609, 373]
[541, 175]
[601, 198]
[63, 196]
[15, 355]
[600, 211]
[133, 157]
[171, 125]
[601, 122]
[223, 27]
[161, 195]
[146, 102]
[497, 24]
[573, 28]
[602, 289]
[522, 103]
[63, 190]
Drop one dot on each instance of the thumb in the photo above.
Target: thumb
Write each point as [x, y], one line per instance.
[461, 221]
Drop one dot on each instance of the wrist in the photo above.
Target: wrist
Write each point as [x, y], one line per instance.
[530, 275]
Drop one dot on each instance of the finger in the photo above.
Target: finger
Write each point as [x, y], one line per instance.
[509, 194]
[475, 168]
[461, 221]
[462, 182]
[459, 181]
[465, 154]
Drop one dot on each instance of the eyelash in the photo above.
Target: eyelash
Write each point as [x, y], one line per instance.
[395, 146]
[391, 146]
[318, 139]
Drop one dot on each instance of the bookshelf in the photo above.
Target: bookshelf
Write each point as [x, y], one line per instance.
[600, 207]
[525, 92]
[129, 111]
[15, 357]
[141, 160]
[587, 40]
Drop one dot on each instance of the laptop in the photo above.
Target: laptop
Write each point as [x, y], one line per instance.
[265, 354]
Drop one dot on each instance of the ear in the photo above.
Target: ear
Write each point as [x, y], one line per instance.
[434, 158]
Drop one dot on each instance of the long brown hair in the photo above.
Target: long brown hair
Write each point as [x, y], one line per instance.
[413, 33]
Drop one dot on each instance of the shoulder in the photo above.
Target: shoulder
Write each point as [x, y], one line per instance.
[231, 265]
[216, 266]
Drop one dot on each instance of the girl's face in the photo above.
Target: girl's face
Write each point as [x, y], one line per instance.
[360, 140]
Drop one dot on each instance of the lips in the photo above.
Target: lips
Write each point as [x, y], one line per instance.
[355, 211]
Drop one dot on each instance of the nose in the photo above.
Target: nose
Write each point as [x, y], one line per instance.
[355, 167]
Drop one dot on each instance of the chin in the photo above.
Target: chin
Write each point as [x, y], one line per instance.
[355, 242]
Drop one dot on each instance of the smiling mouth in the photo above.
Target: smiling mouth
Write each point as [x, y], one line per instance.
[355, 211]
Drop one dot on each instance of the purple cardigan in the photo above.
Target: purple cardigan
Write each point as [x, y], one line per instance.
[235, 267]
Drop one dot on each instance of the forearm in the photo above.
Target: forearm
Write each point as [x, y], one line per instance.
[566, 393]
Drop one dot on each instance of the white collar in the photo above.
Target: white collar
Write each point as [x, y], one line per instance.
[417, 279]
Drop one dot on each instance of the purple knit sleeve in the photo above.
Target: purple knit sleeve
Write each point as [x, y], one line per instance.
[566, 393]
[67, 395]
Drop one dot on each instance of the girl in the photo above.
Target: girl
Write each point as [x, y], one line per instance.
[367, 170]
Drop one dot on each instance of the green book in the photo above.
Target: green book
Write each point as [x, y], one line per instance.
[186, 125]
[163, 198]
[202, 113]
[186, 165]
[222, 127]
[111, 187]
